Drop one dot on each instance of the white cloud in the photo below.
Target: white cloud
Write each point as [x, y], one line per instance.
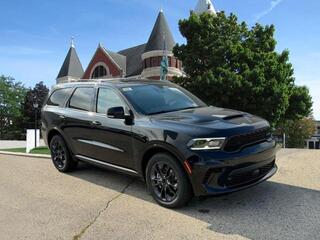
[273, 4]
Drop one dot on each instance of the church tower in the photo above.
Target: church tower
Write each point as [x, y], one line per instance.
[71, 69]
[160, 43]
[205, 6]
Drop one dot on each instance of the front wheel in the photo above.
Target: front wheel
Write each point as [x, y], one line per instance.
[167, 181]
[60, 155]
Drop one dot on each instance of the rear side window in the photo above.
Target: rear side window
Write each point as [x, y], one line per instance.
[107, 98]
[82, 99]
[59, 97]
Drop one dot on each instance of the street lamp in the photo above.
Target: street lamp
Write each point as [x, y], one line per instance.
[35, 106]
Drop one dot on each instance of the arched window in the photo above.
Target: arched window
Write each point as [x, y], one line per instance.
[99, 72]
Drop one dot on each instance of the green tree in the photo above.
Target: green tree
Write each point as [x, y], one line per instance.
[38, 94]
[300, 103]
[298, 131]
[11, 98]
[232, 66]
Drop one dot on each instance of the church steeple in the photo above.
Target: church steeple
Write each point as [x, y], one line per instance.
[205, 6]
[71, 69]
[160, 32]
[160, 44]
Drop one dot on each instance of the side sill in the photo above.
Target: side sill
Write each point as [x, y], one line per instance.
[107, 165]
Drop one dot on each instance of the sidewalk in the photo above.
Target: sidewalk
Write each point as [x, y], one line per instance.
[4, 144]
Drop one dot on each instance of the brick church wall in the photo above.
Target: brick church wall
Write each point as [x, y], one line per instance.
[101, 56]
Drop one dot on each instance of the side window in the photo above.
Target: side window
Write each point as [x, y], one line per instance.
[82, 99]
[107, 98]
[59, 97]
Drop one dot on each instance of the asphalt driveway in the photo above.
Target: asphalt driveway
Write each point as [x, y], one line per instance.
[37, 202]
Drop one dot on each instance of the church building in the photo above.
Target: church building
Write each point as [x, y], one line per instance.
[142, 61]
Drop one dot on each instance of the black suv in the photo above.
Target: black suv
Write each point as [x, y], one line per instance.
[160, 132]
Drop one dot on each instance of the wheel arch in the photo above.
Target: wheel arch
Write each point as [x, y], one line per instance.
[156, 148]
[56, 131]
[52, 133]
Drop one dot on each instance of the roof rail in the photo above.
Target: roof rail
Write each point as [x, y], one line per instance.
[100, 80]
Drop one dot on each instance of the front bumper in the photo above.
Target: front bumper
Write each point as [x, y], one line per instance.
[219, 172]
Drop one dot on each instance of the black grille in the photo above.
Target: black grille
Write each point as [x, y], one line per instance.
[235, 143]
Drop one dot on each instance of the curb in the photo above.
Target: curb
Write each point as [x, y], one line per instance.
[26, 155]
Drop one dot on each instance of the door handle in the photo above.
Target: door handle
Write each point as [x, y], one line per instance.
[96, 123]
[62, 117]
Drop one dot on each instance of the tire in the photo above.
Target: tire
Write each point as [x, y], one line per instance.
[167, 181]
[61, 156]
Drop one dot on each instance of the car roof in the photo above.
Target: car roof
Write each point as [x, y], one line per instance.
[118, 83]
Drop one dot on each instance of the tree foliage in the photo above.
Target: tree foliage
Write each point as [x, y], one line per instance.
[300, 103]
[12, 95]
[229, 65]
[38, 94]
[298, 131]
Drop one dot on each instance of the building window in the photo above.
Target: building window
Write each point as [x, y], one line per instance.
[155, 61]
[173, 62]
[99, 72]
[318, 130]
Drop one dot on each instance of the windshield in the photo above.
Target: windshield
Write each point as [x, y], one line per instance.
[154, 99]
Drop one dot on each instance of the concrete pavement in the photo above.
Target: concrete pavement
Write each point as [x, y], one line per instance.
[4, 144]
[37, 202]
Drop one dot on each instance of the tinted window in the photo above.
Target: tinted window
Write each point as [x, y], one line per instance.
[153, 99]
[59, 96]
[107, 98]
[82, 99]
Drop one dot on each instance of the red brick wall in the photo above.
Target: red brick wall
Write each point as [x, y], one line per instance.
[156, 61]
[158, 78]
[154, 78]
[101, 56]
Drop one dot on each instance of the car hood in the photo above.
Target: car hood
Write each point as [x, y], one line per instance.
[210, 118]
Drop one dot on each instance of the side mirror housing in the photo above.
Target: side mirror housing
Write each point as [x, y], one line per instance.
[116, 112]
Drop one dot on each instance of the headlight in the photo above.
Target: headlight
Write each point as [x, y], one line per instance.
[206, 143]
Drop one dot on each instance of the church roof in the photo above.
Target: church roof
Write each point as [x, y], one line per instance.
[119, 59]
[71, 66]
[134, 61]
[204, 6]
[160, 33]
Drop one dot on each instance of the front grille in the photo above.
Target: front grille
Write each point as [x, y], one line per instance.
[235, 143]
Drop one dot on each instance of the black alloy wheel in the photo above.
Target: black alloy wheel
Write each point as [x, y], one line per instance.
[167, 181]
[164, 181]
[60, 155]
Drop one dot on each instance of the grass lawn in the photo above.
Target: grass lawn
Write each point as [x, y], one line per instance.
[39, 150]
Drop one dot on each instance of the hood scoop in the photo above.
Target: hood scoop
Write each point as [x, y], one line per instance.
[230, 117]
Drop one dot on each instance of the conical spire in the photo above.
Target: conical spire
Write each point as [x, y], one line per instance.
[71, 66]
[160, 33]
[205, 6]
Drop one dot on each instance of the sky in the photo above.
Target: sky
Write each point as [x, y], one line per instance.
[35, 34]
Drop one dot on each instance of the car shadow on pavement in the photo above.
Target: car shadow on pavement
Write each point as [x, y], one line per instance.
[270, 210]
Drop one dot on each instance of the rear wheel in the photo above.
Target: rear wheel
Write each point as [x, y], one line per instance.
[61, 156]
[167, 181]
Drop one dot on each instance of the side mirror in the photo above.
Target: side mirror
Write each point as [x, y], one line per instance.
[116, 112]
